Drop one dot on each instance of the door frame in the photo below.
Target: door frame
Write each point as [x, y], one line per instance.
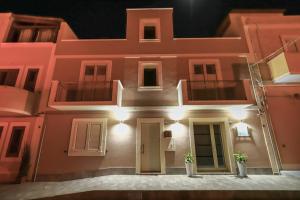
[138, 144]
[226, 136]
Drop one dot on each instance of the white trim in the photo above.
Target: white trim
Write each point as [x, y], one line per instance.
[3, 134]
[226, 138]
[150, 64]
[149, 22]
[84, 63]
[88, 152]
[7, 140]
[138, 143]
[204, 62]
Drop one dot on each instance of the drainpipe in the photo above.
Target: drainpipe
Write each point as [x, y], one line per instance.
[40, 149]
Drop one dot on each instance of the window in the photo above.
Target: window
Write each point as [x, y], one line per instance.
[95, 71]
[150, 75]
[15, 142]
[204, 70]
[88, 137]
[24, 31]
[8, 76]
[149, 30]
[30, 80]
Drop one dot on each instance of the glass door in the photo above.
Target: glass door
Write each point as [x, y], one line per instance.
[209, 148]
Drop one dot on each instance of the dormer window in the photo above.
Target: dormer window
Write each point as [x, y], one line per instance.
[26, 31]
[149, 30]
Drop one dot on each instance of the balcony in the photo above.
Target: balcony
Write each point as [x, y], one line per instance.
[102, 95]
[285, 67]
[214, 94]
[16, 101]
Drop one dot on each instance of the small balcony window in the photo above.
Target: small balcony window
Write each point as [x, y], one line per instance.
[30, 80]
[15, 142]
[150, 75]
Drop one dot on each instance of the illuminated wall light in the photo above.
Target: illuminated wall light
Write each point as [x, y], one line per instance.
[177, 114]
[238, 113]
[178, 129]
[120, 114]
[242, 129]
[121, 132]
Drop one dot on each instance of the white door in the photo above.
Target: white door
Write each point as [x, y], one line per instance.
[150, 147]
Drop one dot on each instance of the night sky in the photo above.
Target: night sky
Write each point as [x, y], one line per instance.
[107, 18]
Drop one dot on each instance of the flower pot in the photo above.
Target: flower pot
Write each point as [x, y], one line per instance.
[189, 169]
[242, 169]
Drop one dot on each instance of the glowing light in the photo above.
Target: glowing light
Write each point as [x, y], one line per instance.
[238, 113]
[242, 129]
[121, 132]
[120, 114]
[178, 129]
[177, 114]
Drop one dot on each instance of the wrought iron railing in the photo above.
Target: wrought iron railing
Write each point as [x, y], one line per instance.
[216, 90]
[84, 91]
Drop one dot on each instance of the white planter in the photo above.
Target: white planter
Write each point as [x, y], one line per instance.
[189, 169]
[242, 169]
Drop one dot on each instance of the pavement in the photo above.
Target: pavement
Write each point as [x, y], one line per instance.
[289, 181]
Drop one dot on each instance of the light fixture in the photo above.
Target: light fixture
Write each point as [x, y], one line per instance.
[177, 114]
[120, 114]
[238, 113]
[242, 129]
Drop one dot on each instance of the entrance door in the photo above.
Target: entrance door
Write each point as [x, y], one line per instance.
[209, 147]
[150, 147]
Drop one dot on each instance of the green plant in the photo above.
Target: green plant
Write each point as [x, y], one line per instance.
[25, 164]
[189, 158]
[240, 157]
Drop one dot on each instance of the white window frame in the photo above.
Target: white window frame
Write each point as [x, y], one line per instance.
[23, 70]
[150, 22]
[150, 64]
[102, 148]
[193, 62]
[7, 139]
[84, 63]
[3, 135]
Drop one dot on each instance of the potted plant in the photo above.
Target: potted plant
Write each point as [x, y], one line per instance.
[241, 160]
[188, 158]
[24, 166]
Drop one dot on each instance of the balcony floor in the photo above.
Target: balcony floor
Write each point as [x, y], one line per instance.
[286, 183]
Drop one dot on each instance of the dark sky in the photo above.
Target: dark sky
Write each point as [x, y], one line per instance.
[107, 18]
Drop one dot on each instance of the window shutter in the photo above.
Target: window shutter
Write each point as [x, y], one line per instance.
[95, 136]
[81, 136]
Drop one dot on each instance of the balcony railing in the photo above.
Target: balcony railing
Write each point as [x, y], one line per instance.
[214, 92]
[84, 91]
[85, 95]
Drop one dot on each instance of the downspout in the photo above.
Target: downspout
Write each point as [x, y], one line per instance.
[40, 149]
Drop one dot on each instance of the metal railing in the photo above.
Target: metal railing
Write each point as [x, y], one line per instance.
[84, 91]
[216, 90]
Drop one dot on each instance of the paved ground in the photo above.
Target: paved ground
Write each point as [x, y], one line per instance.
[285, 182]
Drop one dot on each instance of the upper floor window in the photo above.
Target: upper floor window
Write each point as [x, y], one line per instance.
[150, 75]
[88, 137]
[8, 76]
[31, 78]
[96, 70]
[204, 69]
[149, 30]
[291, 43]
[26, 31]
[12, 140]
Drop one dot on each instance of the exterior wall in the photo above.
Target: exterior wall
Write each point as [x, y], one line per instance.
[9, 168]
[4, 23]
[55, 164]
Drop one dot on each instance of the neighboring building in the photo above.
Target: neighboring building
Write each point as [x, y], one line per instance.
[27, 46]
[137, 105]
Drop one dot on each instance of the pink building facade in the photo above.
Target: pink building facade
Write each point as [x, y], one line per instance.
[137, 105]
